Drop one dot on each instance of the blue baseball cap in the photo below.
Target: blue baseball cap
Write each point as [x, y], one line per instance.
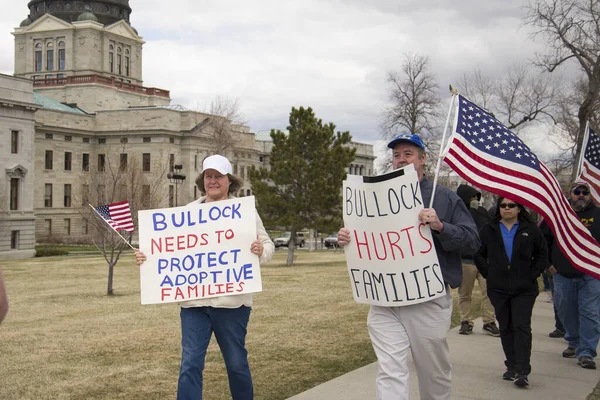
[407, 138]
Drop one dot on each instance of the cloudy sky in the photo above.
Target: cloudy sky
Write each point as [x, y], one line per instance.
[332, 55]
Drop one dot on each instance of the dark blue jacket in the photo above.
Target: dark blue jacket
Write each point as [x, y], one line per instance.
[459, 235]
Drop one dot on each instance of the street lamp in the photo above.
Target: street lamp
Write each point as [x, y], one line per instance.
[176, 178]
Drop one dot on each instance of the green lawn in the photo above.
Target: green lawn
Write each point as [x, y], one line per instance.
[64, 339]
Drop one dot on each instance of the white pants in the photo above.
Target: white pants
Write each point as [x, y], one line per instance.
[422, 328]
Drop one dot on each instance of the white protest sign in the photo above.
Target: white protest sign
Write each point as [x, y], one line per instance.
[198, 251]
[391, 256]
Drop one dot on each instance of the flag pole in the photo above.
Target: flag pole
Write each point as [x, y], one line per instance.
[125, 240]
[586, 137]
[439, 161]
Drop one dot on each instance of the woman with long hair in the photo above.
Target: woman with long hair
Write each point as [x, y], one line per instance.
[512, 256]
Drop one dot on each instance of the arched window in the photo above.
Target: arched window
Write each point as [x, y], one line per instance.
[119, 70]
[127, 62]
[111, 58]
[61, 55]
[50, 56]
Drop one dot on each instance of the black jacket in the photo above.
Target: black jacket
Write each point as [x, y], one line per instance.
[479, 214]
[529, 258]
[459, 235]
[590, 217]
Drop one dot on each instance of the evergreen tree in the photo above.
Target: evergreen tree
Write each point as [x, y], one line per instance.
[302, 187]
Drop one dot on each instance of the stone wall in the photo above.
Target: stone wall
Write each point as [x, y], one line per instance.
[17, 115]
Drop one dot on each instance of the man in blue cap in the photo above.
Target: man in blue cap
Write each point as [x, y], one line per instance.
[422, 327]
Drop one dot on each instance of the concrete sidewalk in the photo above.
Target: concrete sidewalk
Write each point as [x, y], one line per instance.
[477, 368]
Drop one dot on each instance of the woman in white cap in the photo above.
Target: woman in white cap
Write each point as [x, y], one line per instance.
[227, 316]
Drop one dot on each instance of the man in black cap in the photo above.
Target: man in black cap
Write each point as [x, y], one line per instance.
[577, 295]
[422, 327]
[471, 197]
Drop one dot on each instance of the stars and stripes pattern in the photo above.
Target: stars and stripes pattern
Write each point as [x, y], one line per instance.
[117, 215]
[590, 166]
[486, 154]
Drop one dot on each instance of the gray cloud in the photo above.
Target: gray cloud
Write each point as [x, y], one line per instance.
[332, 55]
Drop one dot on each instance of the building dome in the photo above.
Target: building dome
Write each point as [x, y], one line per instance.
[27, 21]
[106, 12]
[87, 16]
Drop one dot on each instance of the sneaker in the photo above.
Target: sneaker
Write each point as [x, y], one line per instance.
[556, 334]
[465, 328]
[586, 362]
[569, 352]
[509, 375]
[521, 380]
[492, 329]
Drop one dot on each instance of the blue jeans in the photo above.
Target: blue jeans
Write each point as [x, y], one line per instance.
[557, 322]
[229, 326]
[546, 280]
[578, 304]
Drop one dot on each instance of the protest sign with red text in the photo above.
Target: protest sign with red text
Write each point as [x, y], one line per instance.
[198, 251]
[391, 256]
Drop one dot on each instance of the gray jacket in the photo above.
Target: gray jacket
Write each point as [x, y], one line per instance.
[460, 232]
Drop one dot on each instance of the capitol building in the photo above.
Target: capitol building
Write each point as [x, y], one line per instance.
[78, 127]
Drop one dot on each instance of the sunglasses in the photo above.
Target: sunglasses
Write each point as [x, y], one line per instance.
[509, 205]
[578, 192]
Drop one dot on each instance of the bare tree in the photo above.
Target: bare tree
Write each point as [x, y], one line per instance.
[479, 88]
[527, 95]
[520, 96]
[414, 98]
[566, 131]
[119, 178]
[414, 102]
[225, 115]
[571, 29]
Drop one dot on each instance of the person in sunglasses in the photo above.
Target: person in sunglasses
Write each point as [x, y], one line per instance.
[577, 295]
[513, 254]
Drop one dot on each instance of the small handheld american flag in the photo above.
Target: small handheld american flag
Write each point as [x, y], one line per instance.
[117, 215]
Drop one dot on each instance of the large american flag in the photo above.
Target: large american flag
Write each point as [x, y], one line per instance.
[485, 153]
[590, 167]
[117, 215]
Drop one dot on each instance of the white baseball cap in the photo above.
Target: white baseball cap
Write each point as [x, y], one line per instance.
[218, 163]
